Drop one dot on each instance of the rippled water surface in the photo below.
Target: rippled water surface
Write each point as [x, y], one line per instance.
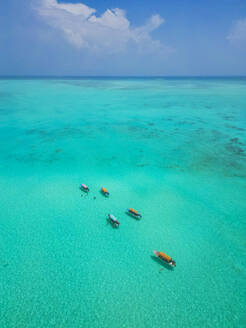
[174, 149]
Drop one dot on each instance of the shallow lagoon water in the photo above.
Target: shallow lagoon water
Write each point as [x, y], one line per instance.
[174, 149]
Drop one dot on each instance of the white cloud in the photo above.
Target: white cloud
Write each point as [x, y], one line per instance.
[111, 31]
[238, 32]
[75, 9]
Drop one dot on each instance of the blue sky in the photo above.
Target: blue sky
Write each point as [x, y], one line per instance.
[123, 37]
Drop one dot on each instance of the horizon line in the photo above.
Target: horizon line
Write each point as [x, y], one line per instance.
[121, 76]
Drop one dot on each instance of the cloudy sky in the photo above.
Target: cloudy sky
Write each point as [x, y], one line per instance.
[122, 37]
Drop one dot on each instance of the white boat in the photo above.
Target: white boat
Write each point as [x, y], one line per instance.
[113, 220]
[84, 187]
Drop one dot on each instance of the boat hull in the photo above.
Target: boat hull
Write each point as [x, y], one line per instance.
[105, 193]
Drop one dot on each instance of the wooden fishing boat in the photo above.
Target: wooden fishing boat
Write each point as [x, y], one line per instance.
[84, 187]
[113, 220]
[104, 192]
[165, 258]
[134, 213]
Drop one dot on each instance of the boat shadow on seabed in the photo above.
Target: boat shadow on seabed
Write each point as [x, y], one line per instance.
[162, 263]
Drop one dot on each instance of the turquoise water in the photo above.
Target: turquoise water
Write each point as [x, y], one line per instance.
[174, 149]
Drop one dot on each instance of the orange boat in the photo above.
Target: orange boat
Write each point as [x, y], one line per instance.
[104, 192]
[134, 213]
[164, 257]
